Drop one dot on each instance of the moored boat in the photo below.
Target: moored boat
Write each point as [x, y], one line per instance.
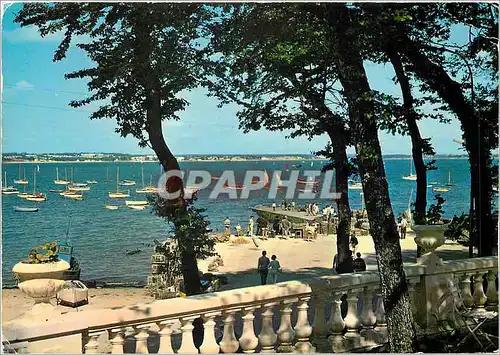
[127, 183]
[36, 196]
[79, 188]
[60, 182]
[65, 252]
[25, 209]
[136, 203]
[118, 193]
[91, 182]
[138, 208]
[356, 186]
[56, 191]
[440, 189]
[78, 197]
[22, 181]
[411, 177]
[9, 190]
[111, 207]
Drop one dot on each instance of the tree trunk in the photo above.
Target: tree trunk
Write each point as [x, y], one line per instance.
[416, 139]
[190, 271]
[343, 208]
[382, 224]
[479, 153]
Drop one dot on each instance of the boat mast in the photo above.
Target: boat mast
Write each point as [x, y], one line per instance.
[142, 173]
[57, 173]
[449, 177]
[117, 174]
[66, 174]
[5, 180]
[24, 174]
[34, 181]
[19, 171]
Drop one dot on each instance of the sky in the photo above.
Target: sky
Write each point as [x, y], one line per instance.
[36, 117]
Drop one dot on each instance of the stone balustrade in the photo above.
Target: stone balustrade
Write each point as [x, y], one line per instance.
[330, 313]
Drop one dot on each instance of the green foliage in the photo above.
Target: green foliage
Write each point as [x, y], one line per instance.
[459, 229]
[435, 211]
[189, 226]
[45, 253]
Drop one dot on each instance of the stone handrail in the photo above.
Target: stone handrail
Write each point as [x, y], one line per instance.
[355, 293]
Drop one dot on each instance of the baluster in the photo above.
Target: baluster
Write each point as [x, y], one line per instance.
[467, 299]
[479, 297]
[141, 343]
[229, 343]
[368, 318]
[165, 334]
[491, 291]
[267, 336]
[209, 345]
[248, 340]
[302, 328]
[92, 344]
[286, 333]
[336, 325]
[117, 341]
[319, 324]
[187, 342]
[352, 320]
[381, 325]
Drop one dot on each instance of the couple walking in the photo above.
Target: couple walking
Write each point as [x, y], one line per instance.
[266, 266]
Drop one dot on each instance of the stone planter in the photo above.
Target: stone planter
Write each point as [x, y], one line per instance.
[429, 238]
[53, 270]
[40, 282]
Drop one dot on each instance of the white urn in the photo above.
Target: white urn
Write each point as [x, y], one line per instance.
[40, 282]
[429, 238]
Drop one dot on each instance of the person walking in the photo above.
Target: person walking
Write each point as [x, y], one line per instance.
[274, 206]
[274, 268]
[276, 226]
[250, 226]
[227, 226]
[263, 267]
[286, 225]
[403, 226]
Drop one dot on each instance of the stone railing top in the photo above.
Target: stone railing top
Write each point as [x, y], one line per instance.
[144, 313]
[467, 265]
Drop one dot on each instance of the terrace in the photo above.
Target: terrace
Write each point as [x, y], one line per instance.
[300, 316]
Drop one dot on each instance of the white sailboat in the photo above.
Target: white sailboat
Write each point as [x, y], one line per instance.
[118, 193]
[22, 181]
[138, 208]
[36, 196]
[143, 190]
[9, 190]
[107, 176]
[60, 182]
[75, 186]
[411, 177]
[355, 185]
[136, 203]
[449, 179]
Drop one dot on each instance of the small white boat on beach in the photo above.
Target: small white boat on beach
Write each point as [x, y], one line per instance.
[136, 203]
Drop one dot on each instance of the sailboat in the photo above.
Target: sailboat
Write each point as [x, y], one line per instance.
[127, 183]
[9, 190]
[118, 194]
[449, 179]
[23, 194]
[355, 185]
[36, 196]
[136, 203]
[148, 189]
[411, 177]
[137, 207]
[60, 182]
[107, 176]
[74, 186]
[143, 190]
[111, 207]
[22, 181]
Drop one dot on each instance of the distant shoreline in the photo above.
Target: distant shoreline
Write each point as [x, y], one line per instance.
[201, 160]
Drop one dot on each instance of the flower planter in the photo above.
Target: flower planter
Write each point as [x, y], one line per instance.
[430, 237]
[40, 282]
[53, 270]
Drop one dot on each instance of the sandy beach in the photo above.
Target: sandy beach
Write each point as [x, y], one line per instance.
[298, 258]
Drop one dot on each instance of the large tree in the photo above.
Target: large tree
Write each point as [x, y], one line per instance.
[282, 78]
[144, 56]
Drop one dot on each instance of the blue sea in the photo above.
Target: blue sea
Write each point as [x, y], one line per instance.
[101, 237]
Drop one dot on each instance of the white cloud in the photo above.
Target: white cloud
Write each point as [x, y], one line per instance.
[24, 85]
[30, 34]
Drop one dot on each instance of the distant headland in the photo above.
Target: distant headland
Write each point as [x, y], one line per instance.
[42, 158]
